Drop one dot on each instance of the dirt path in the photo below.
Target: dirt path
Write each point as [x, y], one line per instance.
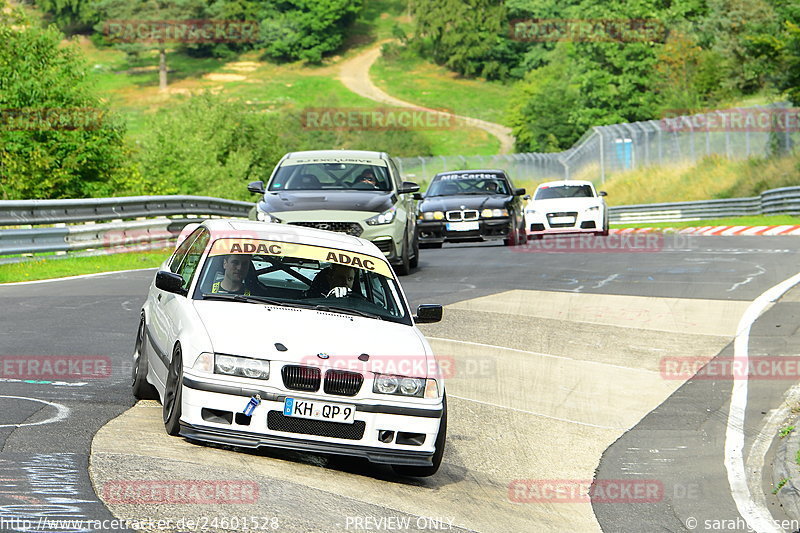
[354, 74]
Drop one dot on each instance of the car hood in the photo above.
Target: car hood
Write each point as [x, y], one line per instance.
[355, 200]
[565, 204]
[450, 203]
[252, 330]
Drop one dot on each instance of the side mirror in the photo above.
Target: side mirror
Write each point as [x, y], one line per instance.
[408, 187]
[603, 193]
[428, 313]
[256, 187]
[417, 196]
[519, 192]
[526, 197]
[170, 282]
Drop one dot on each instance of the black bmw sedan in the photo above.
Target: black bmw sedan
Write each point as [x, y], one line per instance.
[469, 206]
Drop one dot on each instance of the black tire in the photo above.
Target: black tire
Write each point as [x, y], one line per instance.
[142, 390]
[414, 262]
[404, 268]
[173, 394]
[426, 471]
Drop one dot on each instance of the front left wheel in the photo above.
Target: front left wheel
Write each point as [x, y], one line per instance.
[173, 394]
[404, 268]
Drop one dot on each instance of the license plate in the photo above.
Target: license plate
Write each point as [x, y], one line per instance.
[562, 220]
[316, 410]
[463, 226]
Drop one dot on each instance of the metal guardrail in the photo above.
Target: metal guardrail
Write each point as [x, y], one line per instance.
[120, 234]
[783, 201]
[22, 212]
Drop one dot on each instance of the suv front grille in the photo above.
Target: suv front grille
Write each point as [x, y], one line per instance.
[351, 228]
[277, 421]
[342, 382]
[303, 378]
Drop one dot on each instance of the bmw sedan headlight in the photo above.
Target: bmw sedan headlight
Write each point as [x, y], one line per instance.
[494, 213]
[404, 386]
[384, 218]
[432, 215]
[263, 216]
[231, 365]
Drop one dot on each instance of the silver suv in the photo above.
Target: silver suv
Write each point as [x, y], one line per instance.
[351, 191]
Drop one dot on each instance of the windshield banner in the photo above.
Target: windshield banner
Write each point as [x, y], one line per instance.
[302, 251]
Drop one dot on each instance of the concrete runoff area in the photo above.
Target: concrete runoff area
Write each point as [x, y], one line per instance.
[542, 383]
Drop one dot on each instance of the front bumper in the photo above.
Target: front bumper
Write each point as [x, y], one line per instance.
[489, 229]
[212, 412]
[584, 222]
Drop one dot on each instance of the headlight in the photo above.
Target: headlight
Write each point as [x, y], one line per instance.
[241, 366]
[489, 213]
[594, 208]
[384, 218]
[263, 216]
[400, 386]
[432, 215]
[530, 211]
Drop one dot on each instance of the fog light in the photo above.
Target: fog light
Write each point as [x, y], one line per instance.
[385, 436]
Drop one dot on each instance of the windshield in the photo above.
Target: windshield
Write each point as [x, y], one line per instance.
[280, 273]
[564, 191]
[318, 176]
[454, 184]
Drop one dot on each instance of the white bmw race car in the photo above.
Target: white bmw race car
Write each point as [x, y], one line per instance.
[259, 334]
[568, 206]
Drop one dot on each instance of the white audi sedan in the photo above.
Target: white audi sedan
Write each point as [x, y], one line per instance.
[257, 334]
[568, 206]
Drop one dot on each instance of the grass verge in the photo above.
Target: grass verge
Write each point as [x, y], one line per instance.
[765, 220]
[49, 268]
[418, 81]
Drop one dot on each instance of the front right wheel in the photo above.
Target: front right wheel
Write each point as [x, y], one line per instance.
[426, 471]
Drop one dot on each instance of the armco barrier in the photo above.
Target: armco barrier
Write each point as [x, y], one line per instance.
[783, 201]
[82, 222]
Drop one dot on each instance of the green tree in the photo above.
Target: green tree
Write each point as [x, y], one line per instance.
[134, 11]
[541, 109]
[209, 145]
[56, 139]
[306, 29]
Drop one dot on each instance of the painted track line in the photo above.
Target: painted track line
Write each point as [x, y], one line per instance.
[79, 276]
[755, 513]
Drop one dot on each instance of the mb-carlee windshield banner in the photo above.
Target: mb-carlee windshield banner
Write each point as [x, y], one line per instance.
[301, 251]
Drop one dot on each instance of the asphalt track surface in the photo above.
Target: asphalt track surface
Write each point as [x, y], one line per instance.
[564, 349]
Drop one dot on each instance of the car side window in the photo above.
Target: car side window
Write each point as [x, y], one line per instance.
[183, 249]
[191, 259]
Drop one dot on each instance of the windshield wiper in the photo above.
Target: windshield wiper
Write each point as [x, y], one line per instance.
[347, 311]
[248, 299]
